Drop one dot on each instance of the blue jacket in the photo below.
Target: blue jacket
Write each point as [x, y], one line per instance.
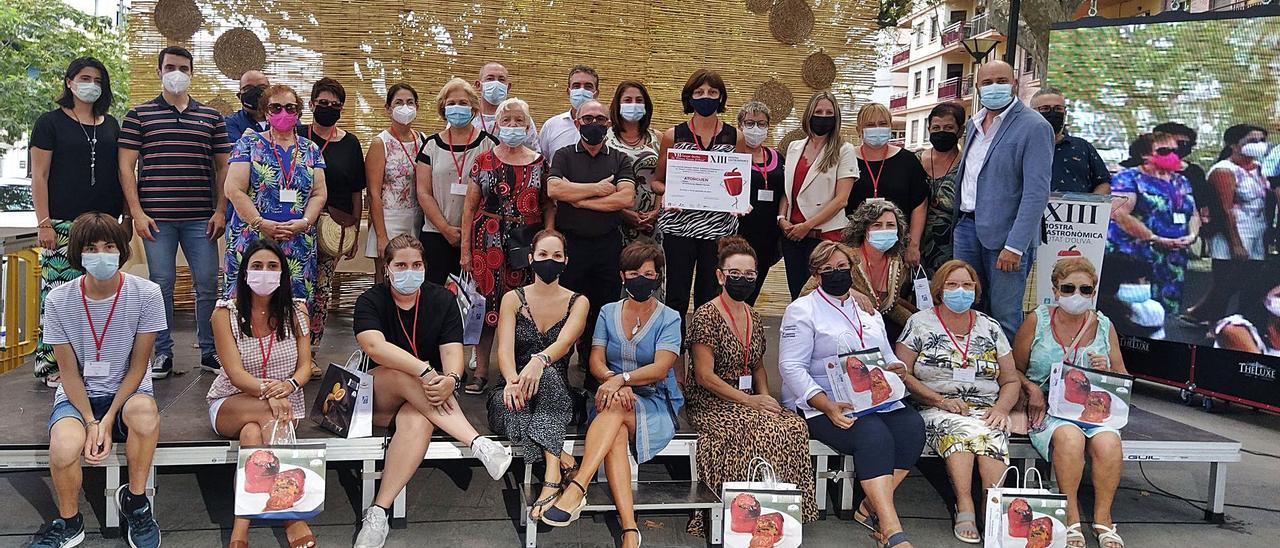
[239, 121]
[1013, 186]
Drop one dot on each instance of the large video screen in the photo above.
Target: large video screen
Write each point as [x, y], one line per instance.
[1217, 75]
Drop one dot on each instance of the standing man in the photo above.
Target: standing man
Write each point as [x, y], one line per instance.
[176, 196]
[494, 86]
[1077, 167]
[591, 184]
[252, 84]
[562, 129]
[1008, 164]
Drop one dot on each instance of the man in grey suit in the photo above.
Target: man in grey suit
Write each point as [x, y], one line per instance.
[1003, 190]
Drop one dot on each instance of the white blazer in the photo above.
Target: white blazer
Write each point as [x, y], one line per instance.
[819, 187]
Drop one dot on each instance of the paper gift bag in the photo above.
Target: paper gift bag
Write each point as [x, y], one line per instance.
[344, 404]
[470, 304]
[858, 378]
[762, 511]
[1089, 397]
[1003, 513]
[1032, 521]
[281, 481]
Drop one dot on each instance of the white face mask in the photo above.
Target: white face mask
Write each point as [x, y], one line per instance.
[86, 91]
[404, 114]
[176, 81]
[755, 135]
[1075, 303]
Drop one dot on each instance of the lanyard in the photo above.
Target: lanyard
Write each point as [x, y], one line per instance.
[412, 338]
[484, 126]
[456, 164]
[770, 164]
[266, 352]
[884, 273]
[874, 176]
[287, 174]
[697, 139]
[964, 354]
[327, 140]
[857, 326]
[745, 341]
[1075, 341]
[413, 162]
[97, 341]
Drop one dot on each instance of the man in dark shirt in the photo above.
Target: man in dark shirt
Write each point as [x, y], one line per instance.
[252, 84]
[591, 184]
[1077, 167]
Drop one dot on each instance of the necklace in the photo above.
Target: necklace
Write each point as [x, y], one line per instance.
[933, 155]
[93, 148]
[639, 140]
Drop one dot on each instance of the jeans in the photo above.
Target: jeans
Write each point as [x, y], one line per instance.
[795, 256]
[202, 258]
[1002, 292]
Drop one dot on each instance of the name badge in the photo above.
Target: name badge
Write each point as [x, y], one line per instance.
[744, 383]
[458, 189]
[97, 369]
[764, 195]
[289, 195]
[924, 299]
[966, 374]
[1180, 218]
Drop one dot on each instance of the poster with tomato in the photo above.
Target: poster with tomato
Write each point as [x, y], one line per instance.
[707, 180]
[1033, 521]
[1075, 225]
[1089, 397]
[860, 380]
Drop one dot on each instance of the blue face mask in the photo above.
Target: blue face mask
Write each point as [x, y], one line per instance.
[512, 136]
[632, 112]
[494, 91]
[877, 136]
[406, 282]
[577, 96]
[996, 96]
[100, 265]
[882, 240]
[458, 115]
[958, 300]
[1134, 293]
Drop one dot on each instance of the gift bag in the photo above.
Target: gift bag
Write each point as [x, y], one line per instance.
[1089, 397]
[344, 404]
[858, 378]
[1009, 513]
[761, 511]
[924, 293]
[283, 480]
[470, 304]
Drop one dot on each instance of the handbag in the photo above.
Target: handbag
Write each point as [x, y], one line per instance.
[334, 237]
[1024, 516]
[761, 511]
[518, 245]
[344, 404]
[282, 480]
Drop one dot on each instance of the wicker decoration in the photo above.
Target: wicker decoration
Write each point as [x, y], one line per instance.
[785, 141]
[177, 20]
[779, 99]
[221, 105]
[791, 21]
[759, 7]
[819, 70]
[239, 50]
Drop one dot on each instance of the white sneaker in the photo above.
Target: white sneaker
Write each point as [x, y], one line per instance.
[493, 455]
[373, 529]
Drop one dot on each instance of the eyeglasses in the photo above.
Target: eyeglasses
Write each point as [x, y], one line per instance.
[1055, 108]
[1070, 289]
[754, 124]
[327, 103]
[588, 119]
[632, 275]
[827, 269]
[958, 285]
[1165, 151]
[750, 275]
[275, 108]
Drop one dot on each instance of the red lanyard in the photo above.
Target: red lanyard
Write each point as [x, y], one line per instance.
[456, 164]
[964, 354]
[413, 162]
[770, 164]
[266, 352]
[327, 140]
[746, 341]
[874, 176]
[697, 139]
[858, 326]
[1075, 341]
[484, 126]
[97, 341]
[293, 163]
[412, 338]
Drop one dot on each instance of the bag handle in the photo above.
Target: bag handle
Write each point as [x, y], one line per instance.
[282, 436]
[1039, 480]
[358, 361]
[759, 467]
[1017, 477]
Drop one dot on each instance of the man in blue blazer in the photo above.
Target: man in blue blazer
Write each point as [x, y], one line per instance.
[1004, 186]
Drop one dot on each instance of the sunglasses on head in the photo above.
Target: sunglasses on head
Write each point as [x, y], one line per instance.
[275, 108]
[1068, 289]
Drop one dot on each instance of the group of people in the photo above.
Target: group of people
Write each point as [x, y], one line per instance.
[564, 231]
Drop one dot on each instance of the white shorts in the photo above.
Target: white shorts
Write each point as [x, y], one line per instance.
[213, 413]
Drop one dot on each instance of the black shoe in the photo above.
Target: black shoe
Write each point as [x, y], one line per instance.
[141, 529]
[211, 363]
[161, 366]
[57, 535]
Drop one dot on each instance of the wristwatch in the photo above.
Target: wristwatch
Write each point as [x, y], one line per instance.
[626, 377]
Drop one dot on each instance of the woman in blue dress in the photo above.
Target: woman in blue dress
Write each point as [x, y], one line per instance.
[634, 347]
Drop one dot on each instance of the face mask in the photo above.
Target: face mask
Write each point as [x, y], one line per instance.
[1166, 162]
[458, 115]
[1075, 303]
[175, 81]
[876, 137]
[632, 112]
[326, 116]
[512, 136]
[547, 270]
[1134, 293]
[882, 240]
[1185, 148]
[958, 300]
[944, 141]
[283, 121]
[262, 282]
[406, 282]
[705, 106]
[640, 288]
[249, 98]
[738, 288]
[1273, 305]
[1056, 120]
[494, 92]
[579, 96]
[754, 135]
[822, 125]
[1147, 314]
[837, 282]
[404, 114]
[86, 91]
[100, 265]
[592, 134]
[1257, 151]
[996, 96]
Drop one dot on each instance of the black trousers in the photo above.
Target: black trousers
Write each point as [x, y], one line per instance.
[691, 265]
[592, 270]
[442, 258]
[768, 252]
[879, 442]
[796, 254]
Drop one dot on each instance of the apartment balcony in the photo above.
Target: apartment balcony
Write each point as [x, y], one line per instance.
[898, 102]
[966, 86]
[901, 56]
[954, 33]
[980, 25]
[949, 89]
[899, 142]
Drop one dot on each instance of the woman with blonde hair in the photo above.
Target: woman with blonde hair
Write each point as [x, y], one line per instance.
[820, 171]
[891, 173]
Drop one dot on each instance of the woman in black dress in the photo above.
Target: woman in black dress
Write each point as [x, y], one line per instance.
[760, 226]
[892, 173]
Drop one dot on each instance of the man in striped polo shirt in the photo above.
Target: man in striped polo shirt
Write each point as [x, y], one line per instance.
[175, 197]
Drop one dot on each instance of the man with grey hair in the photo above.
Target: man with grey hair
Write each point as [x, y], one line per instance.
[1077, 167]
[494, 85]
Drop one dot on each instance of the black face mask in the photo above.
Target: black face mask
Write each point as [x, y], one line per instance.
[250, 97]
[640, 288]
[1056, 119]
[592, 134]
[739, 288]
[547, 270]
[944, 141]
[1185, 149]
[822, 125]
[705, 106]
[836, 282]
[326, 116]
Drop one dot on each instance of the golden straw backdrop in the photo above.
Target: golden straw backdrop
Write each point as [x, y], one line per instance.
[370, 45]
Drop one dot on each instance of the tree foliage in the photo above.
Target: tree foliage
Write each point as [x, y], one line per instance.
[38, 39]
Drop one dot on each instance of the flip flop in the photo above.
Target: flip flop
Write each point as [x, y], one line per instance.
[479, 383]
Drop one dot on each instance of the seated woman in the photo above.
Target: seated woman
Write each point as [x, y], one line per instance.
[537, 327]
[1072, 333]
[260, 383]
[633, 349]
[729, 402]
[412, 332]
[820, 325]
[878, 235]
[1234, 332]
[961, 374]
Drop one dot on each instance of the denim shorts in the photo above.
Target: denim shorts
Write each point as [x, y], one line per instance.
[64, 409]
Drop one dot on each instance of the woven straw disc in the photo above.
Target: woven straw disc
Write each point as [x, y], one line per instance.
[779, 99]
[785, 141]
[791, 21]
[177, 20]
[819, 70]
[221, 105]
[759, 7]
[239, 50]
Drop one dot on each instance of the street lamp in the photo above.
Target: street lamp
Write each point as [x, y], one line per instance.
[979, 49]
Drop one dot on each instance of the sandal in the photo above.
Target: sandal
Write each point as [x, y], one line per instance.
[1074, 535]
[895, 539]
[639, 538]
[867, 519]
[476, 386]
[53, 380]
[316, 372]
[308, 541]
[238, 544]
[1107, 534]
[540, 503]
[966, 522]
[556, 517]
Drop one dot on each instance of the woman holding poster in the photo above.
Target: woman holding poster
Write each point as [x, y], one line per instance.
[1071, 332]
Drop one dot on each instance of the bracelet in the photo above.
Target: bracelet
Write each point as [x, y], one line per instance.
[47, 222]
[544, 358]
[294, 382]
[256, 223]
[457, 379]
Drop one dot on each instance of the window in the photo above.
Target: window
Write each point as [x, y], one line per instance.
[1029, 64]
[919, 32]
[915, 125]
[930, 80]
[916, 90]
[957, 16]
[933, 28]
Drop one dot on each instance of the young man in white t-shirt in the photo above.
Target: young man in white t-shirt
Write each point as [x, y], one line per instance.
[106, 322]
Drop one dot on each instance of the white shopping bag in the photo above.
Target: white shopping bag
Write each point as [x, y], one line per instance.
[1000, 501]
[924, 294]
[283, 480]
[762, 509]
[1089, 397]
[471, 305]
[344, 404]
